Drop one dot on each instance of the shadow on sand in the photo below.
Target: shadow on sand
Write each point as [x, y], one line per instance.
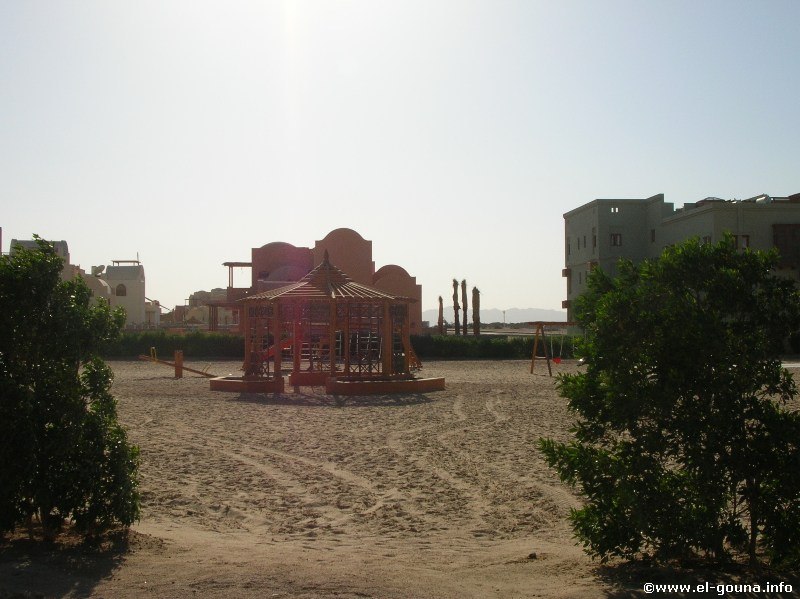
[726, 580]
[321, 399]
[69, 566]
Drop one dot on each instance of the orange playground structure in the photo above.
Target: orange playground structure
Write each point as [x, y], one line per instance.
[278, 264]
[327, 330]
[177, 364]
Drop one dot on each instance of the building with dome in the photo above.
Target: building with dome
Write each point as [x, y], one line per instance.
[277, 264]
[121, 284]
[99, 288]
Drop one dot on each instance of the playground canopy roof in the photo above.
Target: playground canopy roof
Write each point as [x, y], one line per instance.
[325, 282]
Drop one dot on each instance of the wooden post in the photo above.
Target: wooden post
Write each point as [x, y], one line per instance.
[297, 342]
[297, 346]
[346, 338]
[386, 342]
[278, 341]
[178, 363]
[535, 347]
[540, 331]
[248, 343]
[405, 334]
[332, 338]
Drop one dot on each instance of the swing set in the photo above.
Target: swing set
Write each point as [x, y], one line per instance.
[540, 332]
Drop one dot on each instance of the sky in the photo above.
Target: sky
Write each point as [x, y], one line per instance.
[454, 134]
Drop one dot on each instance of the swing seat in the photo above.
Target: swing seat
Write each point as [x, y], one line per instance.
[557, 360]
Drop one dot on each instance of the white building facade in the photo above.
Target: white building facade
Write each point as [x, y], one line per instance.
[127, 283]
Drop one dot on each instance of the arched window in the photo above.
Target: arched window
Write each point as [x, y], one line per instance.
[120, 290]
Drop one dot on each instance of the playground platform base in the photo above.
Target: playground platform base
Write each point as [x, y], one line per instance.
[333, 386]
[308, 379]
[237, 384]
[340, 386]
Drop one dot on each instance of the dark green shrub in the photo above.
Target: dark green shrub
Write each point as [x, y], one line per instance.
[683, 442]
[485, 347]
[195, 344]
[62, 452]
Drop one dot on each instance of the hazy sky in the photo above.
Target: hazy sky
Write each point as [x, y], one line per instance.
[453, 134]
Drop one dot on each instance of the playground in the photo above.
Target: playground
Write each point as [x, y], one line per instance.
[304, 494]
[351, 338]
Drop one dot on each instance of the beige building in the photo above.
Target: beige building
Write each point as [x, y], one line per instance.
[198, 310]
[127, 282]
[121, 284]
[603, 231]
[98, 287]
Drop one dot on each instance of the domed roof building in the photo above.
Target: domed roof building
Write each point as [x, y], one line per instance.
[277, 264]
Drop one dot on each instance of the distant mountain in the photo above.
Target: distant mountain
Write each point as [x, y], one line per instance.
[495, 315]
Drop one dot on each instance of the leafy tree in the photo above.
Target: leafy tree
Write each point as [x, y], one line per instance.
[62, 452]
[683, 442]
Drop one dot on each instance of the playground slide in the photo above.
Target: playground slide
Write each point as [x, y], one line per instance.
[270, 353]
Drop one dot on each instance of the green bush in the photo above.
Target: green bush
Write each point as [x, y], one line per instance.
[197, 344]
[62, 452]
[684, 444]
[486, 347]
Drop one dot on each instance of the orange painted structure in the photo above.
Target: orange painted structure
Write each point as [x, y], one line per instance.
[278, 264]
[177, 364]
[333, 332]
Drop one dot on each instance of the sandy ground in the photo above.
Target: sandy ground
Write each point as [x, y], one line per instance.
[297, 495]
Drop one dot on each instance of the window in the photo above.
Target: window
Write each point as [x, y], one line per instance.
[616, 239]
[569, 249]
[614, 209]
[706, 239]
[584, 241]
[580, 277]
[652, 235]
[120, 290]
[742, 241]
[594, 238]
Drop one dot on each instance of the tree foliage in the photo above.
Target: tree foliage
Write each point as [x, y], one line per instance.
[62, 452]
[683, 443]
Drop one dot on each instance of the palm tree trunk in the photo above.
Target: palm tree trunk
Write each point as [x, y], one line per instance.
[464, 301]
[456, 306]
[441, 316]
[476, 311]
